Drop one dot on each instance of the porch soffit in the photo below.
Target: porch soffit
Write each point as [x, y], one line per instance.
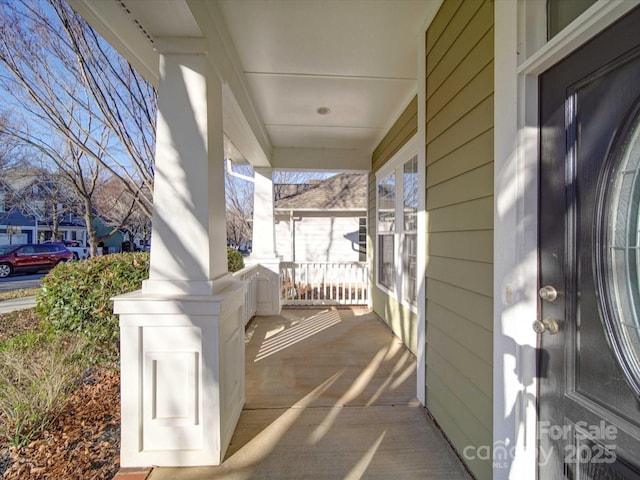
[283, 60]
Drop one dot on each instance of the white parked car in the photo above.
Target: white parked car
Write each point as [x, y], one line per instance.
[79, 252]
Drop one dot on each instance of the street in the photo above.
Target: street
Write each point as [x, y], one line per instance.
[17, 282]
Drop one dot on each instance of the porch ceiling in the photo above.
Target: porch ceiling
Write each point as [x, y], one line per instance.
[358, 58]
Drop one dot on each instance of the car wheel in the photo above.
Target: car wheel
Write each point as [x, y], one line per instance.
[75, 256]
[5, 270]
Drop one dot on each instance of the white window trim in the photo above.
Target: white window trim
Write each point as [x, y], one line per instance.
[395, 165]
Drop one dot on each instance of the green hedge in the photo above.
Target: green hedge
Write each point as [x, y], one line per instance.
[235, 261]
[75, 296]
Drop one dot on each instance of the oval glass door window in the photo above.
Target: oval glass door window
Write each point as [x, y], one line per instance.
[618, 249]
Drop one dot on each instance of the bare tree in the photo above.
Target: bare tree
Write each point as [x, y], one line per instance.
[71, 88]
[74, 180]
[12, 151]
[239, 206]
[118, 208]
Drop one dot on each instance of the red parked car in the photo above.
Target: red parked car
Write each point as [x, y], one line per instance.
[31, 257]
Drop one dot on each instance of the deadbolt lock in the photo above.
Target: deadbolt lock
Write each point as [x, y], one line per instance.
[549, 325]
[548, 293]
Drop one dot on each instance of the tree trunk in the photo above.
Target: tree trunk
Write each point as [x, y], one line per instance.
[92, 238]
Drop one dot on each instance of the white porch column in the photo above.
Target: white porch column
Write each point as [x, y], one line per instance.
[182, 335]
[264, 226]
[188, 249]
[263, 249]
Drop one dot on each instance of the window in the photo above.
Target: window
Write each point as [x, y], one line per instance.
[386, 230]
[397, 226]
[362, 240]
[410, 230]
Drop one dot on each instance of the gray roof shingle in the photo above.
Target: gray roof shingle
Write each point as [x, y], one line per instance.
[345, 191]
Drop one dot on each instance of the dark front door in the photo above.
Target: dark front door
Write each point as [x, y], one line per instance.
[589, 408]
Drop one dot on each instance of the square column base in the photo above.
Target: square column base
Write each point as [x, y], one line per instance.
[182, 376]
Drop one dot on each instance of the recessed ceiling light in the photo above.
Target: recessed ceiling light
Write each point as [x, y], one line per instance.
[323, 110]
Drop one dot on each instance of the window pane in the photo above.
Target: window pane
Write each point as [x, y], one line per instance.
[410, 194]
[386, 271]
[410, 268]
[619, 267]
[561, 13]
[362, 240]
[387, 204]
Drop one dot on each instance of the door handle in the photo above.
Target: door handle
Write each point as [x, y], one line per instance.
[549, 325]
[548, 293]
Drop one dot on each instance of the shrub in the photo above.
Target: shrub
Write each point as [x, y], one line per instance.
[75, 296]
[235, 261]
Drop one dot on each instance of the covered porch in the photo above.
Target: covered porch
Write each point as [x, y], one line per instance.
[330, 393]
[439, 102]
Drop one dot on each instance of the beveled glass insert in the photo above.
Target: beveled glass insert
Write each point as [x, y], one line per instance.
[618, 245]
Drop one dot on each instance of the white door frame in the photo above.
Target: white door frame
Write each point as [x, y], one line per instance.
[521, 55]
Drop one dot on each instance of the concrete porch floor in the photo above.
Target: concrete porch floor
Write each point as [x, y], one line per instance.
[330, 394]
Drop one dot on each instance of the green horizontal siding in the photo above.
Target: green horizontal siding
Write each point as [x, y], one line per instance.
[474, 307]
[472, 215]
[475, 153]
[459, 204]
[473, 245]
[403, 129]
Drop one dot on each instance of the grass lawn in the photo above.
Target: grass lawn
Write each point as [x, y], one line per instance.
[13, 294]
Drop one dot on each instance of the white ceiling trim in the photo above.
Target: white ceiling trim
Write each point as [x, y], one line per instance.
[321, 159]
[117, 28]
[328, 76]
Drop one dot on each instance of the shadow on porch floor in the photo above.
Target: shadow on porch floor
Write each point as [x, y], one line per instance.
[329, 394]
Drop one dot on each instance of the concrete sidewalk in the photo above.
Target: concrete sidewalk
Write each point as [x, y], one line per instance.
[7, 306]
[329, 395]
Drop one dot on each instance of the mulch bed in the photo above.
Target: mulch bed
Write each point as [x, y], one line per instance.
[83, 443]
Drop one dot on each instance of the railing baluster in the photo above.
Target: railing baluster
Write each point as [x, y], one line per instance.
[324, 283]
[313, 282]
[349, 268]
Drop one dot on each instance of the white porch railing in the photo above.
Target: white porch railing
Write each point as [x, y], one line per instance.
[324, 283]
[250, 275]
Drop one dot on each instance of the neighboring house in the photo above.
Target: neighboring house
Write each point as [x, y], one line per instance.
[28, 208]
[26, 212]
[114, 242]
[513, 278]
[16, 227]
[324, 221]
